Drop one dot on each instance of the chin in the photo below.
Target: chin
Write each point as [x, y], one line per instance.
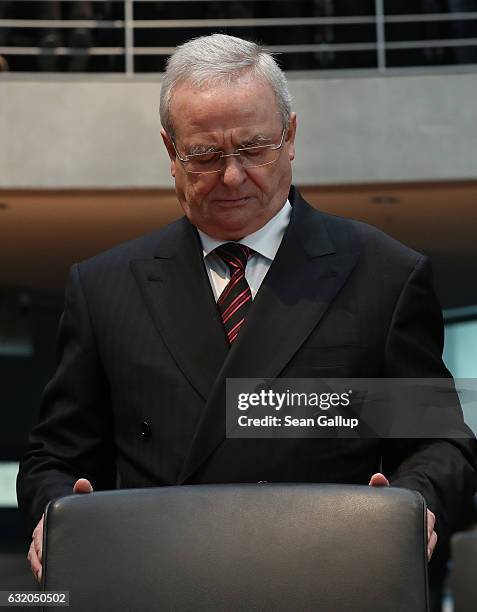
[233, 222]
[227, 233]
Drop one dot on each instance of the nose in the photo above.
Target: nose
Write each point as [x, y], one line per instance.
[233, 173]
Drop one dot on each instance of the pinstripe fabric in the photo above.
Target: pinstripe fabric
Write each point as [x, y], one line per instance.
[235, 300]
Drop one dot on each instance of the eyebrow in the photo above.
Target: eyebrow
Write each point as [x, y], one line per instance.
[198, 149]
[253, 141]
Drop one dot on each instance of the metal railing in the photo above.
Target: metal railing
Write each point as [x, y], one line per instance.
[378, 43]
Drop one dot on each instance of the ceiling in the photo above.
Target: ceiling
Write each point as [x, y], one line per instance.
[43, 232]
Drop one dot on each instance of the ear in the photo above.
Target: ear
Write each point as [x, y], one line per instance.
[290, 136]
[170, 150]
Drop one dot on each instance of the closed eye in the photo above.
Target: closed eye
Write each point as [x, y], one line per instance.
[205, 157]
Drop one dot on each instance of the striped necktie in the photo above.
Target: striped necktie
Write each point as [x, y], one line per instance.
[236, 299]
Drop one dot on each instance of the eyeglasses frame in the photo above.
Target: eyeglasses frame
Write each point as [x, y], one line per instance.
[237, 153]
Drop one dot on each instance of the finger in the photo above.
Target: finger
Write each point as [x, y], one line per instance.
[37, 539]
[431, 545]
[82, 485]
[35, 563]
[38, 548]
[431, 521]
[379, 480]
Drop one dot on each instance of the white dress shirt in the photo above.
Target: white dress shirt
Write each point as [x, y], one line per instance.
[264, 242]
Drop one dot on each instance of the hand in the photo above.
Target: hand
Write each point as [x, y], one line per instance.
[36, 547]
[379, 480]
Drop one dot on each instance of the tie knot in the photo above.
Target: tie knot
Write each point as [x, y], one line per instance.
[235, 255]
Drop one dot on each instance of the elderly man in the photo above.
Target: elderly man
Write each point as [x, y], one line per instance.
[251, 282]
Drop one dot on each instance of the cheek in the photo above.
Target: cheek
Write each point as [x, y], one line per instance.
[196, 192]
[268, 185]
[205, 186]
[260, 185]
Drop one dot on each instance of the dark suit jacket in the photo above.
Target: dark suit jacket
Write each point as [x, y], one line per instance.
[139, 395]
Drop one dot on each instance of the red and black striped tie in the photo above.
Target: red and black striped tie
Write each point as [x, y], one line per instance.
[236, 299]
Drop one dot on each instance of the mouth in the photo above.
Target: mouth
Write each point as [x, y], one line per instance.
[232, 201]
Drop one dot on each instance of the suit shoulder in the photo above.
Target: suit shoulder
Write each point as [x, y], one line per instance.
[350, 235]
[370, 239]
[142, 247]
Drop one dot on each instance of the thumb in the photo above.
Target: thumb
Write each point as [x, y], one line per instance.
[82, 486]
[379, 480]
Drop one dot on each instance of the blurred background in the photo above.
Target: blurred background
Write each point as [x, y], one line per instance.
[386, 96]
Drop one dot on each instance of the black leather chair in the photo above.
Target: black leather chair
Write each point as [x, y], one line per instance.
[464, 567]
[264, 547]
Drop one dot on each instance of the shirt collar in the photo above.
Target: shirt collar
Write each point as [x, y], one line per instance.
[265, 240]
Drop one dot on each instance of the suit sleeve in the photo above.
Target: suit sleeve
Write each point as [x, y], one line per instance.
[74, 436]
[443, 470]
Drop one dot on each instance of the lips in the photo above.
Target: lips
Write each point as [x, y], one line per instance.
[232, 201]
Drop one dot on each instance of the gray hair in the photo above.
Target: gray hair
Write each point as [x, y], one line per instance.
[220, 59]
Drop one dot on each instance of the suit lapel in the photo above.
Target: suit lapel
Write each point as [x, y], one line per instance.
[177, 291]
[307, 272]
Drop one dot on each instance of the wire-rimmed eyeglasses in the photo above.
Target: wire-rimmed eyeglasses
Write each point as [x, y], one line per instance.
[214, 161]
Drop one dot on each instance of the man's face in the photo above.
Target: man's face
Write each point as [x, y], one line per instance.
[236, 201]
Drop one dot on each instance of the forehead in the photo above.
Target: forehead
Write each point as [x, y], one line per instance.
[246, 104]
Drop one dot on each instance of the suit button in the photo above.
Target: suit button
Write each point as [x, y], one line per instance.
[145, 430]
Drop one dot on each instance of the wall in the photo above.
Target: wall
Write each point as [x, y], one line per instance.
[74, 133]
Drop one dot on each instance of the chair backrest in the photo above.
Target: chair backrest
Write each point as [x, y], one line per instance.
[267, 547]
[463, 575]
